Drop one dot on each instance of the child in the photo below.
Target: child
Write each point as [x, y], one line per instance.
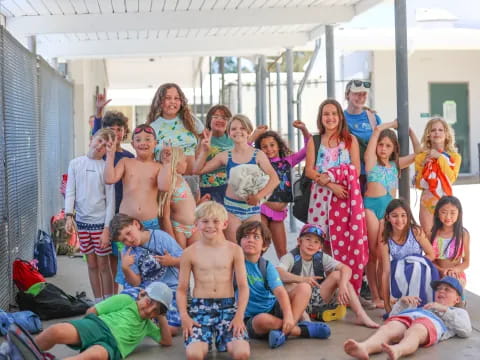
[141, 177]
[404, 242]
[436, 168]
[415, 326]
[213, 313]
[239, 128]
[308, 264]
[94, 205]
[115, 327]
[149, 256]
[450, 240]
[382, 164]
[335, 200]
[274, 210]
[272, 312]
[179, 197]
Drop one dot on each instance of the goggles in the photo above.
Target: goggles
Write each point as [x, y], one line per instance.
[145, 128]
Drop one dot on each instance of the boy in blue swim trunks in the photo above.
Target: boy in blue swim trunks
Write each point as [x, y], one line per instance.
[113, 328]
[213, 313]
[414, 326]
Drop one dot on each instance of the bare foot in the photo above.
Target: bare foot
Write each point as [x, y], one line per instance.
[364, 320]
[355, 349]
[389, 349]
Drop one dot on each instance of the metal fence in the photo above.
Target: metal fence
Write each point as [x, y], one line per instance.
[31, 152]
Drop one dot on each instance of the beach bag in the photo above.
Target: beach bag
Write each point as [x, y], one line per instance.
[65, 243]
[302, 189]
[52, 303]
[20, 346]
[25, 274]
[27, 319]
[45, 253]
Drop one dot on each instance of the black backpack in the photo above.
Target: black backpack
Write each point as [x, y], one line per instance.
[52, 303]
[318, 269]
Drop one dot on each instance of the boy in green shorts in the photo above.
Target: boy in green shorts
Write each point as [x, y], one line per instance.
[114, 327]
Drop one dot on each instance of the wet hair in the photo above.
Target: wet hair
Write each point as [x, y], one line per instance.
[457, 227]
[210, 210]
[244, 120]
[411, 223]
[449, 135]
[282, 145]
[165, 196]
[184, 113]
[119, 222]
[104, 133]
[342, 133]
[249, 227]
[395, 155]
[115, 118]
[212, 110]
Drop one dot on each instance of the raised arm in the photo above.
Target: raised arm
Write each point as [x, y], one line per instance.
[113, 174]
[370, 156]
[295, 158]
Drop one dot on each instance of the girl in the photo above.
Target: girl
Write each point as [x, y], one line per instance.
[436, 168]
[402, 238]
[450, 241]
[382, 165]
[239, 128]
[274, 210]
[179, 197]
[335, 201]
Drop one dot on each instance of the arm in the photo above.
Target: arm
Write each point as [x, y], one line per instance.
[458, 321]
[370, 156]
[385, 270]
[181, 296]
[70, 199]
[295, 158]
[131, 276]
[113, 174]
[355, 154]
[425, 244]
[109, 212]
[417, 147]
[282, 297]
[237, 323]
[166, 339]
[345, 275]
[406, 160]
[97, 123]
[259, 130]
[466, 251]
[92, 310]
[267, 168]
[310, 170]
[164, 177]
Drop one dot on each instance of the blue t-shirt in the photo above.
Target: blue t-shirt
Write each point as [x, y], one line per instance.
[261, 300]
[150, 269]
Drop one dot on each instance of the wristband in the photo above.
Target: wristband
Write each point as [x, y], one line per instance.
[68, 214]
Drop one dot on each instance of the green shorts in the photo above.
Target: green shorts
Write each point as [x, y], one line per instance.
[93, 331]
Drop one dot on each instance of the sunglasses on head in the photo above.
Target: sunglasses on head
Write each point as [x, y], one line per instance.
[313, 229]
[359, 83]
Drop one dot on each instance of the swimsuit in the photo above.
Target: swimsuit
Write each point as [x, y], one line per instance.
[151, 224]
[388, 177]
[187, 230]
[445, 250]
[180, 192]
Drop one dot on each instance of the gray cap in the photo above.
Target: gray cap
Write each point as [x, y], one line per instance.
[160, 292]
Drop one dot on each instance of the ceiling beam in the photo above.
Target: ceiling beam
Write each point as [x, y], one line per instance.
[207, 46]
[86, 23]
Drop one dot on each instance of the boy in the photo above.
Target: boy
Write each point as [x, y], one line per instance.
[213, 313]
[141, 176]
[308, 264]
[272, 311]
[94, 204]
[149, 256]
[409, 326]
[113, 328]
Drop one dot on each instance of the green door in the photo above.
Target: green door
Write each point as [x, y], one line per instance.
[450, 100]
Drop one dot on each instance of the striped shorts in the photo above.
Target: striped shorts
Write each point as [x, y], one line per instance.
[89, 235]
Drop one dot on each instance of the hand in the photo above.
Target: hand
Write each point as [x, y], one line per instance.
[204, 198]
[101, 103]
[411, 300]
[288, 323]
[238, 326]
[253, 200]
[434, 154]
[166, 153]
[436, 306]
[187, 324]
[312, 280]
[339, 191]
[128, 259]
[206, 141]
[105, 238]
[343, 297]
[69, 228]
[322, 179]
[166, 259]
[453, 273]
[111, 146]
[298, 124]
[395, 124]
[259, 130]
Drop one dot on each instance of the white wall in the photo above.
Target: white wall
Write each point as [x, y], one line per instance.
[86, 76]
[425, 67]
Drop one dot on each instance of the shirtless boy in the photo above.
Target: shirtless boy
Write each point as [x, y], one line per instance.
[141, 177]
[213, 313]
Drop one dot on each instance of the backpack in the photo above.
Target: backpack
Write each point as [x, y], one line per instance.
[52, 303]
[302, 189]
[20, 345]
[25, 274]
[44, 252]
[262, 265]
[29, 320]
[317, 264]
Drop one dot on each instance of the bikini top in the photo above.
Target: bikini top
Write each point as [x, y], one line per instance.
[445, 248]
[231, 164]
[410, 247]
[180, 192]
[387, 176]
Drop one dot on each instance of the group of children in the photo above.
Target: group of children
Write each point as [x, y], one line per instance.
[241, 295]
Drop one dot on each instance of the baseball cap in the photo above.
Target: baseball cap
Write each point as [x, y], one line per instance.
[358, 86]
[449, 281]
[313, 229]
[160, 292]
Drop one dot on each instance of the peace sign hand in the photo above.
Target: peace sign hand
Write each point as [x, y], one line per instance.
[207, 139]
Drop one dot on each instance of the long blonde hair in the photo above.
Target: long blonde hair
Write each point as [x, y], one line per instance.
[165, 196]
[449, 135]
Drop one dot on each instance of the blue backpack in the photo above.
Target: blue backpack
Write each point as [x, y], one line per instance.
[20, 346]
[44, 251]
[27, 319]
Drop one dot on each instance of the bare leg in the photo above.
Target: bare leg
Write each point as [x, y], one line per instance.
[239, 349]
[197, 350]
[263, 323]
[392, 331]
[95, 352]
[113, 266]
[181, 239]
[415, 336]
[233, 224]
[63, 333]
[105, 275]
[279, 237]
[371, 270]
[426, 218]
[94, 275]
[299, 298]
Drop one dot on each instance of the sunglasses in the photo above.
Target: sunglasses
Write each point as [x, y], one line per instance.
[312, 229]
[359, 83]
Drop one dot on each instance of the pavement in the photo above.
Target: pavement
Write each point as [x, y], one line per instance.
[72, 276]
